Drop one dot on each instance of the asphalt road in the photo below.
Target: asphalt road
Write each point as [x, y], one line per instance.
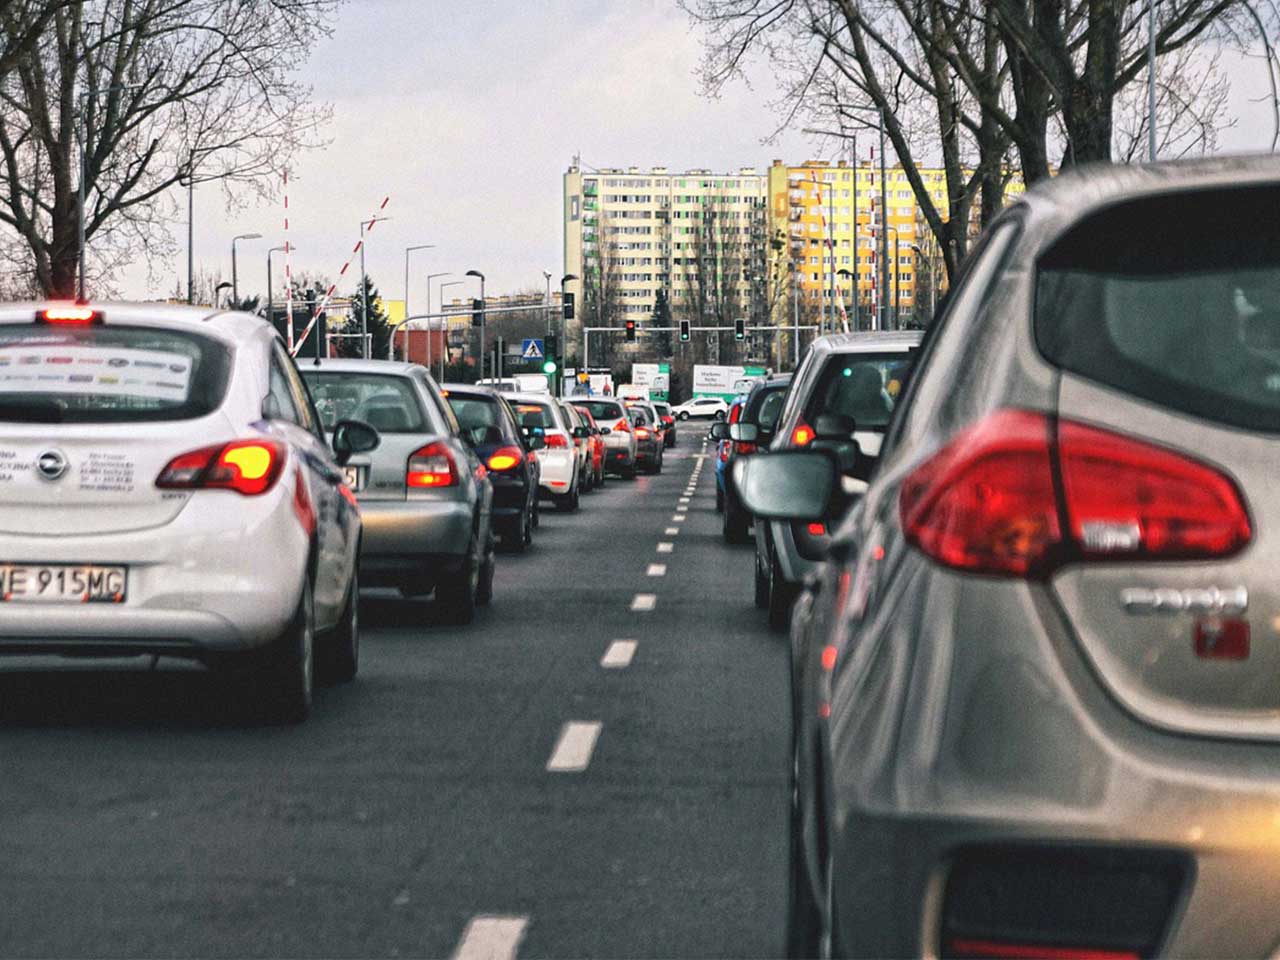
[417, 812]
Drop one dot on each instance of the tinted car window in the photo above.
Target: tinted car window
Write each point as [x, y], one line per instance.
[108, 374]
[480, 418]
[863, 386]
[766, 416]
[601, 409]
[1174, 299]
[388, 404]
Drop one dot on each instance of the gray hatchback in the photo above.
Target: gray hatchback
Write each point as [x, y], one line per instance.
[1036, 702]
[424, 496]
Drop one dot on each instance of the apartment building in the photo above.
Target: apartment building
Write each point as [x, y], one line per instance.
[696, 235]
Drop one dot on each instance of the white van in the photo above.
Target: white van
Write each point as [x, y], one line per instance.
[519, 383]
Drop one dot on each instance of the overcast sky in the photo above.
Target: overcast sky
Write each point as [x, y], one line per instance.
[467, 115]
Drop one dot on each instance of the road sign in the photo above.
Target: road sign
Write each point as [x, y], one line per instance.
[531, 350]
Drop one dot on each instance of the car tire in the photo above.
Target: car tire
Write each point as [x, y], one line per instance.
[735, 524]
[484, 583]
[682, 415]
[719, 499]
[339, 659]
[781, 595]
[526, 528]
[762, 586]
[456, 592]
[289, 679]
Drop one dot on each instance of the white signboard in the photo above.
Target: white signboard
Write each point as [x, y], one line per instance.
[715, 379]
[643, 374]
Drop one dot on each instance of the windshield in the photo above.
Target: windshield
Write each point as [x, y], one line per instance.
[389, 404]
[863, 386]
[108, 374]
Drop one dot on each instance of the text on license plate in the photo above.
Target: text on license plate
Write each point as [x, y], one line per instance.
[62, 583]
[351, 477]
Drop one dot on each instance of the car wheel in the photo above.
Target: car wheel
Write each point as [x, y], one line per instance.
[526, 529]
[683, 415]
[762, 585]
[456, 592]
[290, 674]
[735, 524]
[781, 594]
[719, 499]
[339, 659]
[484, 584]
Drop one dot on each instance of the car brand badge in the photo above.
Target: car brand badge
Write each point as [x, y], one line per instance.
[51, 464]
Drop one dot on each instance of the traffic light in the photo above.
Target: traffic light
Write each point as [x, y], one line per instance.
[684, 331]
[567, 302]
[739, 329]
[477, 312]
[631, 331]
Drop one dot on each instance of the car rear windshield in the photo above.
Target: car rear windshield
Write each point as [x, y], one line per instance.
[601, 409]
[863, 386]
[479, 417]
[535, 415]
[1174, 299]
[765, 407]
[109, 374]
[389, 404]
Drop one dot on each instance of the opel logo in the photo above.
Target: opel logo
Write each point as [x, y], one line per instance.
[52, 464]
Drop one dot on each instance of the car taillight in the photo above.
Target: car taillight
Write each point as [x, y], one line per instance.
[642, 433]
[622, 426]
[1019, 494]
[723, 453]
[735, 413]
[504, 458]
[431, 466]
[557, 440]
[248, 467]
[668, 420]
[69, 314]
[742, 447]
[802, 435]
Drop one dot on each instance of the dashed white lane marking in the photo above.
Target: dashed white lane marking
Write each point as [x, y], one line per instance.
[678, 518]
[619, 654]
[573, 750]
[656, 570]
[491, 938]
[644, 601]
[666, 547]
[683, 500]
[671, 532]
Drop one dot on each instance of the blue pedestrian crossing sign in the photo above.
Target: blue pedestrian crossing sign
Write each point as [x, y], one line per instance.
[531, 350]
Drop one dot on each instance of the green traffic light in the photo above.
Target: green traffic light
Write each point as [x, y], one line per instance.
[549, 367]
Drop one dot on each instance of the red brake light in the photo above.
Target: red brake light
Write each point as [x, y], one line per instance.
[989, 500]
[71, 314]
[431, 466]
[557, 440]
[817, 529]
[248, 467]
[735, 413]
[743, 447]
[1032, 951]
[668, 420]
[505, 458]
[802, 435]
[622, 426]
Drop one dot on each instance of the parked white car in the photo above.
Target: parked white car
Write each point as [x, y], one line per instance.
[701, 407]
[166, 489]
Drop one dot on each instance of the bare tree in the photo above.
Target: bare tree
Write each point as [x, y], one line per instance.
[151, 91]
[602, 288]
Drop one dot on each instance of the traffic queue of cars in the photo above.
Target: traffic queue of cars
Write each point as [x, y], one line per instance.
[175, 485]
[1032, 624]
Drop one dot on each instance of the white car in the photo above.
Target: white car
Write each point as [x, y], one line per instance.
[561, 460]
[701, 407]
[166, 489]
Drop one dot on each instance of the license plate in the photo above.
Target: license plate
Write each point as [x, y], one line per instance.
[351, 477]
[62, 583]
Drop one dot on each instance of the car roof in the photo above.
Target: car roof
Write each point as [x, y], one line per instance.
[353, 365]
[474, 389]
[869, 341]
[530, 398]
[232, 325]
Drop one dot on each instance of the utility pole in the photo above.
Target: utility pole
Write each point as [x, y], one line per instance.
[1151, 80]
[884, 228]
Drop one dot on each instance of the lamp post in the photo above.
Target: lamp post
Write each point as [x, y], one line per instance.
[364, 290]
[547, 277]
[271, 308]
[444, 335]
[893, 288]
[235, 287]
[430, 277]
[480, 276]
[391, 351]
[564, 343]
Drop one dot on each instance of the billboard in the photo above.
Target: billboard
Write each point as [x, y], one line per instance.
[711, 380]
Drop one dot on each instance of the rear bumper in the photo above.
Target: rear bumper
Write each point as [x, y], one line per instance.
[405, 532]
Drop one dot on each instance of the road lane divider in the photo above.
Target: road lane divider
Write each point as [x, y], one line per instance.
[572, 753]
[656, 570]
[491, 938]
[666, 546]
[677, 518]
[671, 532]
[619, 654]
[644, 602]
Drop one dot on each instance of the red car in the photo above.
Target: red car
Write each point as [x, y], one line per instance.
[596, 440]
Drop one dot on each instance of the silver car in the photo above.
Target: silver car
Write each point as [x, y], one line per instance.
[424, 496]
[1035, 686]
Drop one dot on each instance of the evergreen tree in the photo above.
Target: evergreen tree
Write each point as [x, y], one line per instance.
[379, 326]
[661, 318]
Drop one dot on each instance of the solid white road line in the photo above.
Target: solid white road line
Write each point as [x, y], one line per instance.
[644, 601]
[619, 654]
[573, 750]
[671, 532]
[491, 938]
[656, 570]
[666, 547]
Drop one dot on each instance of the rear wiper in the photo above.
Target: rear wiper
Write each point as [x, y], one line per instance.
[30, 411]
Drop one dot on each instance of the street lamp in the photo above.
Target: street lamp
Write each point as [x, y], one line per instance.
[478, 274]
[547, 277]
[443, 334]
[391, 350]
[430, 277]
[271, 309]
[564, 343]
[235, 287]
[364, 291]
[893, 301]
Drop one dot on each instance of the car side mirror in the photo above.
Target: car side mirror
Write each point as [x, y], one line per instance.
[744, 432]
[534, 437]
[787, 485]
[351, 437]
[834, 426]
[719, 431]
